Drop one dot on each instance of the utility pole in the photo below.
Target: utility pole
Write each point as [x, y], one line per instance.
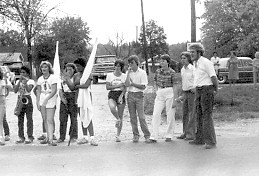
[144, 37]
[193, 21]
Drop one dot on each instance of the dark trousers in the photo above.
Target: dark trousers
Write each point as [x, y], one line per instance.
[189, 118]
[6, 126]
[27, 110]
[90, 128]
[70, 109]
[204, 106]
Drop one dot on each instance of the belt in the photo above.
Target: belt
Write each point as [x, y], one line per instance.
[162, 87]
[204, 87]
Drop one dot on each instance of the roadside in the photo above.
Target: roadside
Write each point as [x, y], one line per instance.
[104, 122]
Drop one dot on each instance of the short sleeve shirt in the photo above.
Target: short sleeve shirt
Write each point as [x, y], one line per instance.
[204, 70]
[138, 77]
[22, 86]
[187, 75]
[165, 78]
[116, 80]
[46, 83]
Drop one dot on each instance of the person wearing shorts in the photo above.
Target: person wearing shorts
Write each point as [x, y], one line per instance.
[46, 99]
[115, 82]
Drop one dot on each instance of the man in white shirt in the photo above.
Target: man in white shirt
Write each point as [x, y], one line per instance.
[136, 83]
[215, 59]
[206, 83]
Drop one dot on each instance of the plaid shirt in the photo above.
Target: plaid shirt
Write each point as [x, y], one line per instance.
[165, 78]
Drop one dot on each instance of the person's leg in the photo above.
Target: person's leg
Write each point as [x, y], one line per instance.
[2, 112]
[156, 118]
[208, 126]
[120, 115]
[133, 114]
[91, 132]
[113, 108]
[191, 127]
[199, 134]
[63, 117]
[50, 112]
[6, 126]
[185, 114]
[141, 115]
[21, 126]
[44, 125]
[29, 113]
[170, 112]
[73, 131]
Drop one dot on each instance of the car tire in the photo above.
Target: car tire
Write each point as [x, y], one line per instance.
[95, 80]
[222, 79]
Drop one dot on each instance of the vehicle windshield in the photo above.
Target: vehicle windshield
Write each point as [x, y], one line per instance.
[105, 59]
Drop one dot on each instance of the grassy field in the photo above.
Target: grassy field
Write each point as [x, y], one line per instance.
[238, 102]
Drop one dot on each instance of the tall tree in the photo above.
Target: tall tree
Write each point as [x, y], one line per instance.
[236, 27]
[156, 41]
[30, 16]
[73, 36]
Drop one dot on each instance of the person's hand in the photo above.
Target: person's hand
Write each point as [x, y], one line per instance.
[45, 103]
[174, 104]
[120, 100]
[64, 100]
[38, 106]
[193, 90]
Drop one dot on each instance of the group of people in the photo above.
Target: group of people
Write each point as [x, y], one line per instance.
[199, 85]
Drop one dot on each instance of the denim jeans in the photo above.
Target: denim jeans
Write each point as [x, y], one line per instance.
[189, 117]
[136, 110]
[204, 106]
[70, 109]
[27, 110]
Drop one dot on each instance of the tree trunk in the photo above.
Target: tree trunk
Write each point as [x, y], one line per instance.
[144, 37]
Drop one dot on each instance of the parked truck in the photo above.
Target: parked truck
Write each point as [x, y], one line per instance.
[103, 64]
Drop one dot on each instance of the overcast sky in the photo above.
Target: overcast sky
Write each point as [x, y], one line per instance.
[106, 17]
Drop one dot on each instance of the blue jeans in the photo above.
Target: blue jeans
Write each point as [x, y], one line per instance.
[204, 106]
[136, 108]
[189, 118]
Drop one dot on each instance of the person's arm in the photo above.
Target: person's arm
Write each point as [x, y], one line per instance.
[52, 93]
[215, 83]
[127, 82]
[85, 85]
[38, 92]
[143, 84]
[62, 97]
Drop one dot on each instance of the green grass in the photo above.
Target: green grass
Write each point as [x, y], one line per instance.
[243, 105]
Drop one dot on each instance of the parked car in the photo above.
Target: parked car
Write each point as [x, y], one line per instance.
[245, 69]
[9, 75]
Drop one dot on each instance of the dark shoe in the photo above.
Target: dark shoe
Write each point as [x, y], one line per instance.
[42, 137]
[28, 141]
[153, 141]
[2, 143]
[135, 139]
[117, 139]
[210, 146]
[45, 141]
[194, 142]
[7, 138]
[54, 137]
[181, 137]
[52, 144]
[168, 140]
[189, 139]
[21, 140]
[60, 140]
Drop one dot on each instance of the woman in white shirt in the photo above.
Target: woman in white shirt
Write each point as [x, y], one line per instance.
[46, 99]
[4, 84]
[115, 82]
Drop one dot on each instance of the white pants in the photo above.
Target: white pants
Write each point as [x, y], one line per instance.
[164, 98]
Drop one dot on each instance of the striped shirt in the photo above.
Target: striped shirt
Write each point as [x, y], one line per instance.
[165, 78]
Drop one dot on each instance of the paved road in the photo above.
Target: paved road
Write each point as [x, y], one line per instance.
[232, 157]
